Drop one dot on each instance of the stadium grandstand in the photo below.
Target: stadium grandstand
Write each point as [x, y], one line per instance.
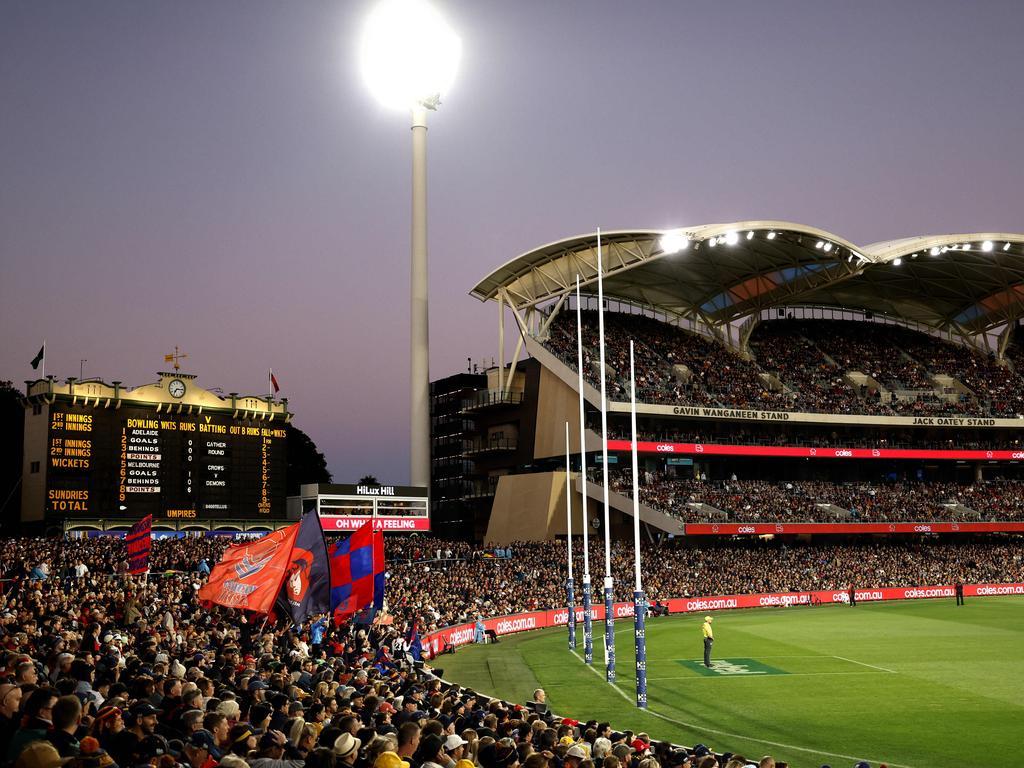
[764, 352]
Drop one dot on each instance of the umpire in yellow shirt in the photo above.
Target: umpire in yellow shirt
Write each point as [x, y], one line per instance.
[709, 640]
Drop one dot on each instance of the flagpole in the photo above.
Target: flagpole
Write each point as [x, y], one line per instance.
[609, 629]
[569, 597]
[639, 603]
[44, 359]
[588, 628]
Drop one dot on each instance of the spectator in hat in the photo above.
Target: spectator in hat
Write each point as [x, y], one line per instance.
[346, 750]
[432, 753]
[709, 640]
[92, 755]
[40, 754]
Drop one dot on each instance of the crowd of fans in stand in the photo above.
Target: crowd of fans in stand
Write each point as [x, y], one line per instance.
[800, 365]
[100, 668]
[815, 501]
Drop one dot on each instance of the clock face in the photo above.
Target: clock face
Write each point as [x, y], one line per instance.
[176, 388]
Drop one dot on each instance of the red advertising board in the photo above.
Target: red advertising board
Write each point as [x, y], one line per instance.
[383, 523]
[811, 453]
[463, 634]
[760, 529]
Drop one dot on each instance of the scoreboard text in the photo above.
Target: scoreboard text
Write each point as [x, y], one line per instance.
[133, 462]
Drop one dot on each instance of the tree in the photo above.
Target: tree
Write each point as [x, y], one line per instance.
[368, 480]
[306, 464]
[12, 445]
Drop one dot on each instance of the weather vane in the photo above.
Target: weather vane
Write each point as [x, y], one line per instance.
[175, 358]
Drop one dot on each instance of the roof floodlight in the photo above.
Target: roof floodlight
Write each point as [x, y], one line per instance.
[731, 238]
[674, 242]
[750, 235]
[897, 261]
[1006, 247]
[986, 246]
[945, 248]
[934, 251]
[965, 247]
[713, 242]
[849, 258]
[828, 247]
[771, 235]
[820, 244]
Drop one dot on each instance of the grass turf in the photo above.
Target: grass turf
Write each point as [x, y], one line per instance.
[917, 684]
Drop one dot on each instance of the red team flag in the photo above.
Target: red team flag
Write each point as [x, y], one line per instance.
[273, 382]
[250, 574]
[139, 541]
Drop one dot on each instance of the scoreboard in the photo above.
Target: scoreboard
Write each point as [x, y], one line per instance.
[132, 462]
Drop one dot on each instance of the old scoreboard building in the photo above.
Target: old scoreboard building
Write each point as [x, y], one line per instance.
[101, 456]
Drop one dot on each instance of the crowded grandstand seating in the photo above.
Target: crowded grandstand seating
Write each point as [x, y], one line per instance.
[801, 501]
[825, 366]
[104, 668]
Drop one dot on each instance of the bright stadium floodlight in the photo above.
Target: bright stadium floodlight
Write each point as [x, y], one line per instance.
[409, 55]
[987, 246]
[771, 235]
[897, 261]
[1006, 247]
[731, 238]
[674, 242]
[934, 251]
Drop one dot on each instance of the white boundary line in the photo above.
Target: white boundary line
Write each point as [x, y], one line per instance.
[750, 675]
[872, 666]
[727, 734]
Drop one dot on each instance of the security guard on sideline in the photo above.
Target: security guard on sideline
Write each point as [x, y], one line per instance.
[709, 639]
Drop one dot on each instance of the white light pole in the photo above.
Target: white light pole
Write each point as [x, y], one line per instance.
[409, 56]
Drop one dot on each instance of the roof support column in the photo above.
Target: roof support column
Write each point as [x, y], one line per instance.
[501, 342]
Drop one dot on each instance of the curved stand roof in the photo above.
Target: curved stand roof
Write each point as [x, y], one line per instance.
[721, 273]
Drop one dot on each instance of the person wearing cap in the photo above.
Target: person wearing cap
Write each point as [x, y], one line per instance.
[40, 754]
[574, 756]
[390, 760]
[455, 748]
[124, 745]
[709, 640]
[432, 753]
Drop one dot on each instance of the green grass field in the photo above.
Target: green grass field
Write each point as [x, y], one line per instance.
[915, 684]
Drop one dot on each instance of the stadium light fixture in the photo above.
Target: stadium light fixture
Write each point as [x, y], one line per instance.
[409, 56]
[713, 242]
[827, 248]
[771, 235]
[820, 244]
[674, 242]
[750, 235]
[987, 246]
[897, 261]
[1006, 247]
[731, 238]
[934, 251]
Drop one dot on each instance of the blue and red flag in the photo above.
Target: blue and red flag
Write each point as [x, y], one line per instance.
[139, 542]
[357, 572]
[306, 588]
[414, 644]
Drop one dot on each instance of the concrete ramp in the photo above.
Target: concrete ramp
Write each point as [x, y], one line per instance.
[624, 505]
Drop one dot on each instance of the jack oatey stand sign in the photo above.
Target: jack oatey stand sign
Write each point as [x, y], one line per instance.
[462, 634]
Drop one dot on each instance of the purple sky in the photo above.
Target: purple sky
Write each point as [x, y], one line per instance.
[215, 175]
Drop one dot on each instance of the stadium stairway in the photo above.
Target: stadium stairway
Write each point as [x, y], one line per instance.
[624, 504]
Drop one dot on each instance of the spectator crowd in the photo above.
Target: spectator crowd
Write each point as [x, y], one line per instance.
[817, 501]
[100, 668]
[815, 366]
